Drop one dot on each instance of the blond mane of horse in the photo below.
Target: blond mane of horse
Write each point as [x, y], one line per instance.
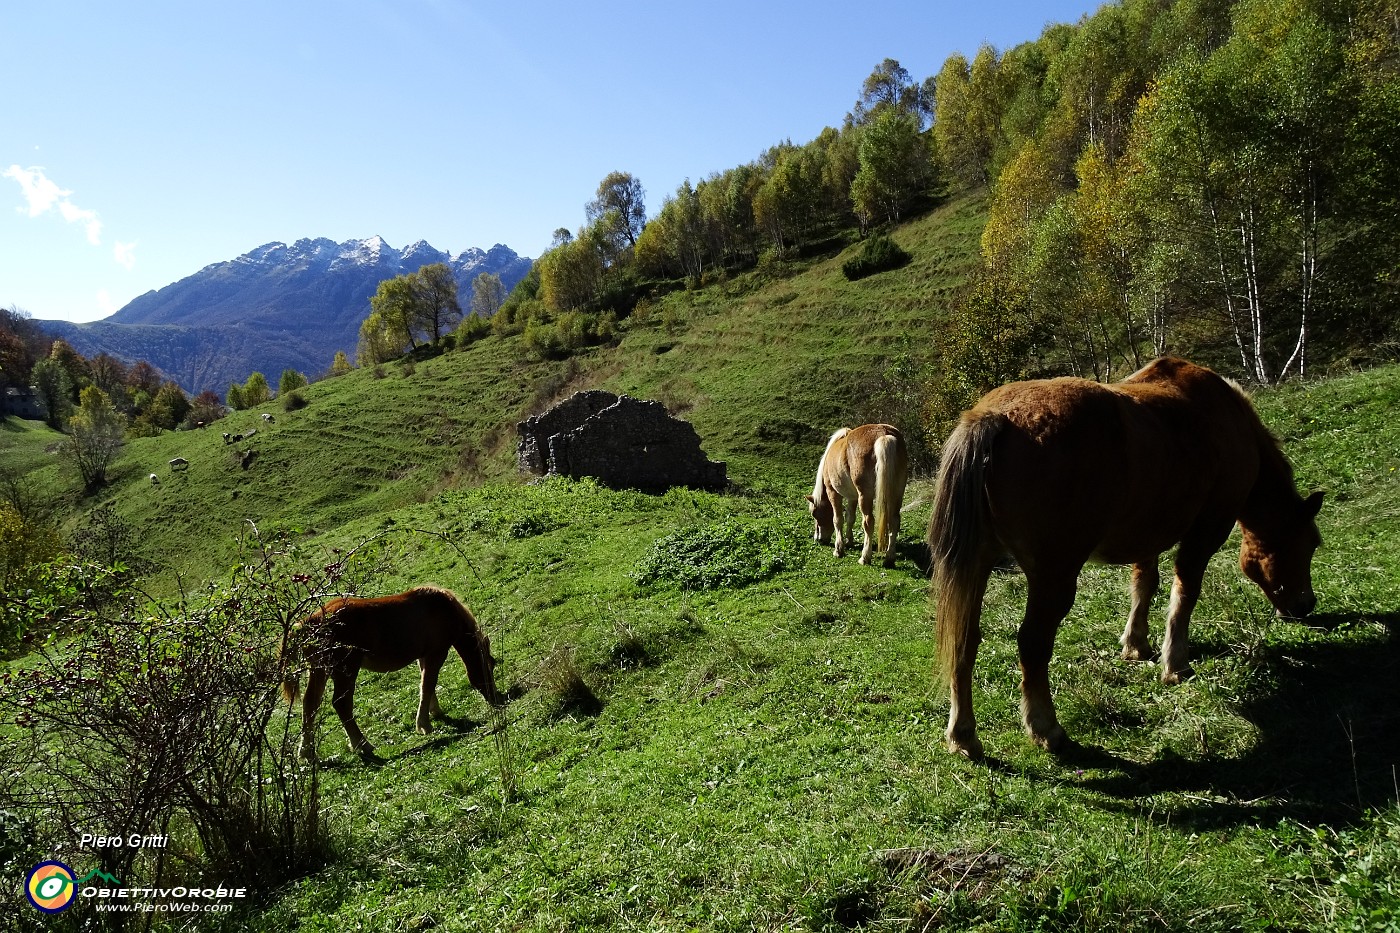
[818, 489]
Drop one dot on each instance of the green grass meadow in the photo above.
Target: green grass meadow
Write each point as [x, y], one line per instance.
[717, 725]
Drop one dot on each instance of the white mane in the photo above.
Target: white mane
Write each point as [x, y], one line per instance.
[819, 490]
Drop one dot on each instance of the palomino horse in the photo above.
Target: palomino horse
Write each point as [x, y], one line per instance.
[868, 464]
[1059, 472]
[384, 634]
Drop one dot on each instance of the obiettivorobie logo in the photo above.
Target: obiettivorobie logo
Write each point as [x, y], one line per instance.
[51, 886]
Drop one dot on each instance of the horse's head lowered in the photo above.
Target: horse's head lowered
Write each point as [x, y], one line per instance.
[824, 517]
[481, 670]
[1277, 555]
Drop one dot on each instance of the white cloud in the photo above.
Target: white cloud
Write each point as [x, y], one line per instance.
[125, 254]
[41, 195]
[39, 192]
[77, 215]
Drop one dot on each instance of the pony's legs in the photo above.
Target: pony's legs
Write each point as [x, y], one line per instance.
[428, 707]
[840, 522]
[867, 525]
[1191, 559]
[961, 737]
[1176, 654]
[310, 705]
[1146, 580]
[889, 545]
[1048, 600]
[343, 702]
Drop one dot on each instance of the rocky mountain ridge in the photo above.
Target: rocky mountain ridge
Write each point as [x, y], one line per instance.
[275, 307]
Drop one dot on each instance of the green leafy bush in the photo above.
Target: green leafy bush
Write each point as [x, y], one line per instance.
[879, 254]
[732, 552]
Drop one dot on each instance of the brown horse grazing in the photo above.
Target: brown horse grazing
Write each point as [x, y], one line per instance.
[384, 634]
[1059, 472]
[868, 464]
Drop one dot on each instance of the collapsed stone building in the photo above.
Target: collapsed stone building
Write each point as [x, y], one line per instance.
[622, 441]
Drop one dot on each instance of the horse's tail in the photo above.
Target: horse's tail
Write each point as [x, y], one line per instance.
[287, 654]
[960, 533]
[891, 468]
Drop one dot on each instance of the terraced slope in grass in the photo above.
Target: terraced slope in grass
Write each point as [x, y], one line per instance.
[765, 365]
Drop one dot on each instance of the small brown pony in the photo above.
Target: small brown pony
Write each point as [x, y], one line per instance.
[384, 634]
[1059, 472]
[868, 464]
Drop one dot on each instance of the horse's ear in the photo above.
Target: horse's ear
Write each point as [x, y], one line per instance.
[1313, 503]
[811, 500]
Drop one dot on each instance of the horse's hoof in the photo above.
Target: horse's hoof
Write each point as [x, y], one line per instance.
[1177, 676]
[865, 560]
[1052, 740]
[970, 747]
[1137, 653]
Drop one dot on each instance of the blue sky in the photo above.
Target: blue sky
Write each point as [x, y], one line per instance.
[140, 142]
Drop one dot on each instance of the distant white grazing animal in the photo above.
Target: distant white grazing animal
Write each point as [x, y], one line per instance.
[268, 418]
[155, 480]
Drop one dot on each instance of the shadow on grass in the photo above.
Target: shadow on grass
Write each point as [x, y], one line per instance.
[1328, 749]
[458, 727]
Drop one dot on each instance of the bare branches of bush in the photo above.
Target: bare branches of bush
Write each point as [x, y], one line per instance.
[168, 723]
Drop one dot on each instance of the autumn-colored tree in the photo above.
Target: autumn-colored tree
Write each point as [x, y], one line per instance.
[95, 431]
[393, 309]
[25, 545]
[74, 364]
[205, 409]
[571, 274]
[169, 407]
[340, 365]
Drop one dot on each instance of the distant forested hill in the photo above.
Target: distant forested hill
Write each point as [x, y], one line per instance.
[1211, 178]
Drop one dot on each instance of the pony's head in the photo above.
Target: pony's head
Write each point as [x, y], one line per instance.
[1277, 555]
[817, 503]
[481, 670]
[823, 516]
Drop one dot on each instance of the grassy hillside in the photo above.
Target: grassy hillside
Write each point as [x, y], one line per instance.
[765, 365]
[27, 446]
[767, 754]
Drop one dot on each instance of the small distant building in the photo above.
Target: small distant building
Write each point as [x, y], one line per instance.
[24, 402]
